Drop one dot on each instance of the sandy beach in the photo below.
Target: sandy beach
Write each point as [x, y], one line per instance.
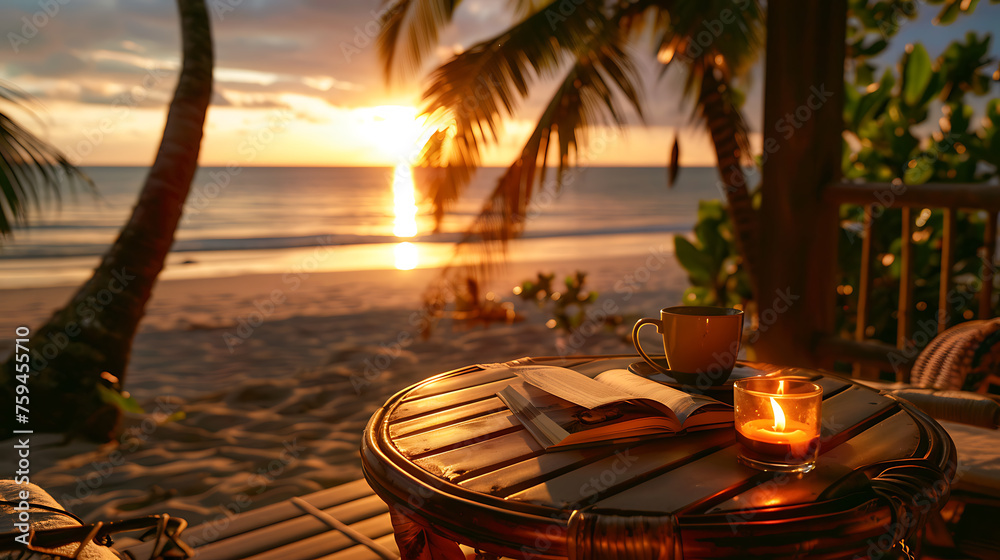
[257, 388]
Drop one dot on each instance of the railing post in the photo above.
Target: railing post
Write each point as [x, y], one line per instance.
[904, 309]
[803, 99]
[947, 263]
[864, 293]
[989, 248]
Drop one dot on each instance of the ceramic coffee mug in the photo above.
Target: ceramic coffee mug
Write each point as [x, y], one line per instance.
[695, 339]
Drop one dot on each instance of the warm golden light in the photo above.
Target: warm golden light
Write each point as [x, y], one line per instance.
[398, 131]
[407, 256]
[404, 202]
[779, 416]
[665, 54]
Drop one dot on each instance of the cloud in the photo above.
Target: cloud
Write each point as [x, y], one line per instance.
[270, 54]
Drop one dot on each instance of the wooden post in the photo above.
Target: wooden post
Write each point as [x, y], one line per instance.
[803, 100]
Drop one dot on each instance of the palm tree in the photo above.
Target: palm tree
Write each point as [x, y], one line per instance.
[582, 44]
[93, 333]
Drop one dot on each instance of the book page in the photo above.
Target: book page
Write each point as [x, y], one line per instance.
[682, 404]
[571, 386]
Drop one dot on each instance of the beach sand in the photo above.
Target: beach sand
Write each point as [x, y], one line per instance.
[257, 388]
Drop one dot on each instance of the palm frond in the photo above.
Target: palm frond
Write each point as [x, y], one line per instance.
[420, 22]
[447, 173]
[592, 94]
[30, 168]
[725, 33]
[524, 8]
[473, 92]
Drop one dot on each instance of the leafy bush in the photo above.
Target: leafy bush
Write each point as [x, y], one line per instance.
[712, 262]
[567, 307]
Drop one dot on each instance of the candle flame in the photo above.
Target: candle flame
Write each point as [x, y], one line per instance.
[779, 416]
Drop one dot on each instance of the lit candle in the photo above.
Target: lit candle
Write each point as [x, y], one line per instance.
[777, 423]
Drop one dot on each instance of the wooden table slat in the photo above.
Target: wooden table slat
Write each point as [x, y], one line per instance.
[456, 435]
[622, 469]
[471, 377]
[514, 477]
[436, 403]
[495, 453]
[450, 408]
[453, 415]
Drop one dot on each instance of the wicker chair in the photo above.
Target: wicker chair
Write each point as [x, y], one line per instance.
[950, 381]
[965, 357]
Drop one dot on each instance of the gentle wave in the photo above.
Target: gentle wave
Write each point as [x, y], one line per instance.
[322, 240]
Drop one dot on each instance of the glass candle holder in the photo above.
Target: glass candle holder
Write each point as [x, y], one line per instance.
[777, 423]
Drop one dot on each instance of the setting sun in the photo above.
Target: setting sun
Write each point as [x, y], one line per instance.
[396, 130]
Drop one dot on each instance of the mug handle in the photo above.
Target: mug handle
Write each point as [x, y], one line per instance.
[638, 345]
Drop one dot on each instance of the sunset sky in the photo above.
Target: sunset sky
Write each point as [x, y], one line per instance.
[298, 82]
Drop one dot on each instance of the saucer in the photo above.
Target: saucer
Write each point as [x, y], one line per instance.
[689, 381]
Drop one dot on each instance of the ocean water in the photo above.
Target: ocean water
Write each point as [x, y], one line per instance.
[269, 219]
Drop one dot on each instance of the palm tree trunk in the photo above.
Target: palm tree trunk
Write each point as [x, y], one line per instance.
[93, 333]
[722, 124]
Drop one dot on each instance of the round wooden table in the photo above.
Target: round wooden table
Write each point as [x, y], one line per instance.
[455, 465]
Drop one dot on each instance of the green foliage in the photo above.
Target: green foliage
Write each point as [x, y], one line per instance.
[119, 400]
[568, 307]
[890, 137]
[712, 261]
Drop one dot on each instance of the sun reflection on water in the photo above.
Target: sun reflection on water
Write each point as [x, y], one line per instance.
[407, 256]
[404, 202]
[405, 222]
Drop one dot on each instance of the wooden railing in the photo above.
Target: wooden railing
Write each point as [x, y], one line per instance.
[869, 356]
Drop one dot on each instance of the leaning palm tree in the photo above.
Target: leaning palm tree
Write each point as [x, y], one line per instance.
[82, 351]
[583, 46]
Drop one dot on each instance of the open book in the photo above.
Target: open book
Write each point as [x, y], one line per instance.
[627, 406]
